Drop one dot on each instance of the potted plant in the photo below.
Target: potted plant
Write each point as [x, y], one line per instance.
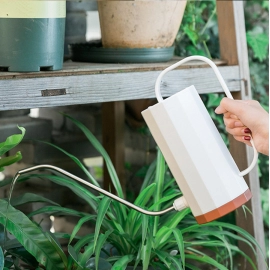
[122, 238]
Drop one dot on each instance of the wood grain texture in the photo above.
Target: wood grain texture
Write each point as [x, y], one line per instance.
[227, 32]
[113, 125]
[82, 68]
[21, 93]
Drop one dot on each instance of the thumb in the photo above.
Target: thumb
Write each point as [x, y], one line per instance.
[228, 105]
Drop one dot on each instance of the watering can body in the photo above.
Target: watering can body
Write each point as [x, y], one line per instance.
[196, 155]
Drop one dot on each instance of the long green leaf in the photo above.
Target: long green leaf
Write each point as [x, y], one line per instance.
[206, 259]
[192, 267]
[74, 256]
[159, 180]
[57, 210]
[177, 262]
[239, 230]
[57, 248]
[111, 170]
[6, 161]
[163, 200]
[101, 241]
[102, 209]
[149, 175]
[77, 188]
[145, 220]
[87, 254]
[141, 200]
[180, 242]
[1, 259]
[79, 225]
[76, 160]
[176, 218]
[163, 256]
[11, 141]
[146, 250]
[29, 198]
[104, 154]
[220, 234]
[30, 236]
[123, 262]
[84, 241]
[162, 236]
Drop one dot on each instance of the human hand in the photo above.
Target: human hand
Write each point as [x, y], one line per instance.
[243, 118]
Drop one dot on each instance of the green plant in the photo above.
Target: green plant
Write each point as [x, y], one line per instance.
[5, 161]
[7, 145]
[122, 236]
[198, 33]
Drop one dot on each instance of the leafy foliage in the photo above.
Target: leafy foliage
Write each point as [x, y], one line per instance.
[7, 145]
[30, 236]
[122, 236]
[198, 30]
[259, 44]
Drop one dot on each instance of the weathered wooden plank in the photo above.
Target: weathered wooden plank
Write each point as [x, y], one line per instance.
[80, 68]
[95, 88]
[233, 49]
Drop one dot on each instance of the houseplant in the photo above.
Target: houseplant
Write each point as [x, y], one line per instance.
[122, 237]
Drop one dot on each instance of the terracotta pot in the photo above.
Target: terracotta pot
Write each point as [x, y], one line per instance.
[140, 24]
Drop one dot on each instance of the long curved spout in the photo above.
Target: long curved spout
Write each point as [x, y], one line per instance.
[175, 206]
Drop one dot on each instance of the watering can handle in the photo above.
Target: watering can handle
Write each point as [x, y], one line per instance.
[224, 86]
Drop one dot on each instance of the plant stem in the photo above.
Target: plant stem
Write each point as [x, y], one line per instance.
[208, 21]
[207, 50]
[159, 180]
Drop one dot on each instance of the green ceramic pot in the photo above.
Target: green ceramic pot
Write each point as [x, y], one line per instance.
[32, 35]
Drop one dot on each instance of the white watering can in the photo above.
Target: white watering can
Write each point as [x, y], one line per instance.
[200, 162]
[198, 158]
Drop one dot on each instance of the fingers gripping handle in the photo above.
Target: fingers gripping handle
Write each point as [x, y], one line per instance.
[224, 86]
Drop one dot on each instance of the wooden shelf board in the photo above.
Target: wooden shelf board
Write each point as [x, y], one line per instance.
[81, 68]
[82, 83]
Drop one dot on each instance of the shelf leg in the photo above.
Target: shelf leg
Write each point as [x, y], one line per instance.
[113, 123]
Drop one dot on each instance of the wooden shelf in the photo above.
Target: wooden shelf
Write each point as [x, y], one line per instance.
[82, 83]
